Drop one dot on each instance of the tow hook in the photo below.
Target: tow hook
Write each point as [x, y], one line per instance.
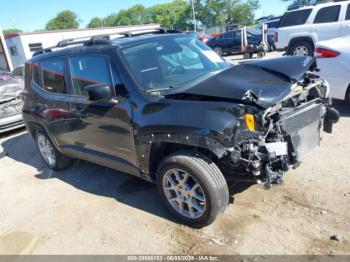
[272, 178]
[332, 117]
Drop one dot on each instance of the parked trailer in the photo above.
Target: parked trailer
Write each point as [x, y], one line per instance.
[5, 61]
[22, 46]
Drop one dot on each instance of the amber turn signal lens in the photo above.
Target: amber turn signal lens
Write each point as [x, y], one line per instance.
[250, 122]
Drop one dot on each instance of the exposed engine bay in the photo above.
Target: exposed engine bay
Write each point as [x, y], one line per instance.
[292, 129]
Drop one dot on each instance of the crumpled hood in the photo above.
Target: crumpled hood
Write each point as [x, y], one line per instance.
[10, 89]
[264, 82]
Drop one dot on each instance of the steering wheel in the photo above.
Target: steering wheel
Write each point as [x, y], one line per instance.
[176, 69]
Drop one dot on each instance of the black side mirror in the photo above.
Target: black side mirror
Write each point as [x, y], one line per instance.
[99, 92]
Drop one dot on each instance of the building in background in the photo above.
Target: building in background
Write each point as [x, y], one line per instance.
[5, 61]
[22, 46]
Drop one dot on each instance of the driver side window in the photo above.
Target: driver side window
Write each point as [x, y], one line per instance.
[89, 70]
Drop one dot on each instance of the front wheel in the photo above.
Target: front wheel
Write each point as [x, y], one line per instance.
[192, 188]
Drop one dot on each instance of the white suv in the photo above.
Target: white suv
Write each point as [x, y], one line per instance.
[300, 29]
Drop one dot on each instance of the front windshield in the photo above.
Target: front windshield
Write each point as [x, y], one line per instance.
[171, 62]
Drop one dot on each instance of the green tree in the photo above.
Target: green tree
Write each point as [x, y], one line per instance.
[64, 20]
[178, 14]
[95, 22]
[218, 12]
[11, 31]
[174, 15]
[242, 13]
[110, 20]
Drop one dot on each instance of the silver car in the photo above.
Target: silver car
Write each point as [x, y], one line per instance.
[11, 87]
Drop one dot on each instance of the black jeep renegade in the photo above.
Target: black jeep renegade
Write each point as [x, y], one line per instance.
[164, 107]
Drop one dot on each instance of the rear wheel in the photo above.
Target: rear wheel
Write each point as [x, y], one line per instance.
[347, 98]
[52, 158]
[302, 48]
[219, 51]
[192, 188]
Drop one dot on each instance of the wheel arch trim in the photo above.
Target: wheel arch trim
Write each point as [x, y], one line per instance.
[146, 143]
[309, 39]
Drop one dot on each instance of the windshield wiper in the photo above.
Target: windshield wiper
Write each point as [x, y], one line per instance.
[158, 90]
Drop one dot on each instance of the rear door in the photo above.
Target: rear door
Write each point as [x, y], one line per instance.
[49, 82]
[104, 129]
[327, 22]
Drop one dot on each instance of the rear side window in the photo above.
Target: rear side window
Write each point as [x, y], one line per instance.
[89, 70]
[53, 75]
[35, 73]
[295, 18]
[327, 15]
[272, 24]
[348, 13]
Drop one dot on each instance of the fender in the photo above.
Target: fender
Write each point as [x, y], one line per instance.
[296, 36]
[145, 145]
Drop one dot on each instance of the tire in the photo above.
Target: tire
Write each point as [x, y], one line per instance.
[302, 48]
[247, 55]
[212, 195]
[347, 97]
[219, 51]
[57, 161]
[261, 54]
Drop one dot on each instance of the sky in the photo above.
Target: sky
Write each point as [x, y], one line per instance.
[33, 15]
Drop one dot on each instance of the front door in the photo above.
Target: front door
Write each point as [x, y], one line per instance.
[103, 129]
[227, 42]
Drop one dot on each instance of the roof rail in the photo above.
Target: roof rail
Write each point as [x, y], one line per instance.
[104, 39]
[315, 3]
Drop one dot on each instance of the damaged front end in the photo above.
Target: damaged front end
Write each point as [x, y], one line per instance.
[11, 104]
[288, 131]
[283, 108]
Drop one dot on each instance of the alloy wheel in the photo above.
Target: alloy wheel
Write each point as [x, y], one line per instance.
[184, 193]
[46, 150]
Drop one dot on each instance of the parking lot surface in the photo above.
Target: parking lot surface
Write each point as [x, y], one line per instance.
[89, 209]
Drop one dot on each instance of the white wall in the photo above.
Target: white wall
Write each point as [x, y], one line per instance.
[5, 61]
[20, 56]
[51, 38]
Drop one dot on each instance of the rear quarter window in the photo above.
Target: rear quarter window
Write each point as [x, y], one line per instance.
[328, 15]
[347, 17]
[35, 73]
[295, 18]
[272, 24]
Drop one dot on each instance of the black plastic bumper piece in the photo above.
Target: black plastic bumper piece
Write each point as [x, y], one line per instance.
[332, 117]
